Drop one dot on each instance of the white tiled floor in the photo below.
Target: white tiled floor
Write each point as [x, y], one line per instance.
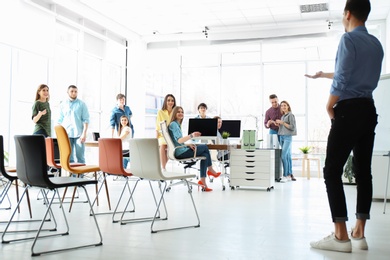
[235, 224]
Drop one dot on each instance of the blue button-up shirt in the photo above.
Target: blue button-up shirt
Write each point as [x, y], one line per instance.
[73, 115]
[358, 65]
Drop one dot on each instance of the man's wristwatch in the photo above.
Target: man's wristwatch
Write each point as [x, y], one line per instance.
[192, 136]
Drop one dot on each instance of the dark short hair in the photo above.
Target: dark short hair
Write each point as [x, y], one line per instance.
[358, 8]
[202, 105]
[71, 86]
[119, 96]
[272, 96]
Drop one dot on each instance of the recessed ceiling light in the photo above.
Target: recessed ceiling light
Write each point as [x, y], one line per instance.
[314, 8]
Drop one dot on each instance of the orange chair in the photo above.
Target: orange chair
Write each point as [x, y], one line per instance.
[110, 163]
[65, 151]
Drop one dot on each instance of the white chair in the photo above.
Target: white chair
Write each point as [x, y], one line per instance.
[171, 153]
[145, 164]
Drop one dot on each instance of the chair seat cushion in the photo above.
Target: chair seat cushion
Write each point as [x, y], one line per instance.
[60, 182]
[85, 169]
[176, 175]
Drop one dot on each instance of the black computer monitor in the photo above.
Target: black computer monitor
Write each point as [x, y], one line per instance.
[208, 127]
[231, 126]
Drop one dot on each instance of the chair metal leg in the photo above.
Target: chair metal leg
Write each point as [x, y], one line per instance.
[4, 241]
[120, 198]
[162, 199]
[33, 253]
[142, 219]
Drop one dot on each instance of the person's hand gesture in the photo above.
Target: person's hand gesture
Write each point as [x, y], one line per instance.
[319, 74]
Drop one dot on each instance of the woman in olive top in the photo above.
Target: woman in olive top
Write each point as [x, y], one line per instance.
[164, 114]
[41, 113]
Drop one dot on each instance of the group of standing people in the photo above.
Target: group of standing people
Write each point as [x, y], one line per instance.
[173, 115]
[280, 121]
[74, 117]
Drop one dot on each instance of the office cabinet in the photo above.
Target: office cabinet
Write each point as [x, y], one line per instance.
[252, 168]
[379, 168]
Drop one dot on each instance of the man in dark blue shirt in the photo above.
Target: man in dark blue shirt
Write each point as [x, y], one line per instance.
[353, 115]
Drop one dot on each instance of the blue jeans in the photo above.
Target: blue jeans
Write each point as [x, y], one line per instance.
[285, 144]
[77, 147]
[126, 160]
[353, 129]
[201, 150]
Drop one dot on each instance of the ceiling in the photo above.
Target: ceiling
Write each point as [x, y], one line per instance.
[156, 20]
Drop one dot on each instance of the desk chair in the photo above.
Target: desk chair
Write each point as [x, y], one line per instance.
[11, 177]
[32, 170]
[52, 156]
[65, 150]
[111, 163]
[171, 154]
[146, 164]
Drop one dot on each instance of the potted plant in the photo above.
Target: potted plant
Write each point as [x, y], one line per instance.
[348, 171]
[6, 157]
[305, 150]
[225, 135]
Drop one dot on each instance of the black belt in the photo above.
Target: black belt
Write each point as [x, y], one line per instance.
[354, 101]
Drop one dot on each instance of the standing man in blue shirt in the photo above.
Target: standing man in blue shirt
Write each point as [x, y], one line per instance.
[353, 115]
[74, 117]
[120, 110]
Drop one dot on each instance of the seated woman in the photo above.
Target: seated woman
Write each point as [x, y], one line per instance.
[188, 151]
[125, 134]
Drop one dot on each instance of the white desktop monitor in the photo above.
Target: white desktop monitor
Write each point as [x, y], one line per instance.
[231, 126]
[208, 127]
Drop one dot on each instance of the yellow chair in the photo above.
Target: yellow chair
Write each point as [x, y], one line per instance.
[65, 151]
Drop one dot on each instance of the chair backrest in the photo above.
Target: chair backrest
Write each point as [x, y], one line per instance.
[64, 147]
[145, 158]
[50, 153]
[110, 155]
[31, 162]
[168, 140]
[2, 166]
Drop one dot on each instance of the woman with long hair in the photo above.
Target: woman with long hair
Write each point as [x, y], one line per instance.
[164, 114]
[41, 113]
[125, 134]
[188, 151]
[287, 128]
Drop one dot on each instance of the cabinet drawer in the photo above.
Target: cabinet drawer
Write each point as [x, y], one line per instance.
[252, 182]
[250, 163]
[250, 175]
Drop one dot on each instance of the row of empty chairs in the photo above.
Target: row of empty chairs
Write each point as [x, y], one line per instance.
[32, 161]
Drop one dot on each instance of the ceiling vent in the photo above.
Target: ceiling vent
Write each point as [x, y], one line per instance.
[314, 8]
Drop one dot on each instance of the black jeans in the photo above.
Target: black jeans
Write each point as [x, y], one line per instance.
[353, 129]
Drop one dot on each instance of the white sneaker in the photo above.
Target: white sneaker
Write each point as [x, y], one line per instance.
[333, 244]
[283, 179]
[359, 243]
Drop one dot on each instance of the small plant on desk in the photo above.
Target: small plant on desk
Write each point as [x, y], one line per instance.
[305, 149]
[225, 135]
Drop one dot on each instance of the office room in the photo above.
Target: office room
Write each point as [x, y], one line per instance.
[229, 54]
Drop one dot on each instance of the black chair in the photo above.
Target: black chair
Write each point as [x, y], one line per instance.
[11, 178]
[32, 170]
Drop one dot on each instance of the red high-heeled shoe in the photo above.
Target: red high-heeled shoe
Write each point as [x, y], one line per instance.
[204, 188]
[213, 174]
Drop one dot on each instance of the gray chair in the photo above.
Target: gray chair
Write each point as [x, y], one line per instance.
[32, 170]
[145, 164]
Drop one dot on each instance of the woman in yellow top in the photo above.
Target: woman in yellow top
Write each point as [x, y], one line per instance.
[164, 114]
